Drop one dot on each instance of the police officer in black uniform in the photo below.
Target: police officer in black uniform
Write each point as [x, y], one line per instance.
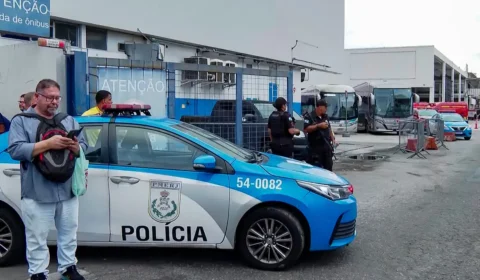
[281, 129]
[320, 136]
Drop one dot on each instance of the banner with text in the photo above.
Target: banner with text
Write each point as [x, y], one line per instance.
[25, 17]
[136, 86]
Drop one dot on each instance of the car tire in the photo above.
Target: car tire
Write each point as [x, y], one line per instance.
[285, 223]
[467, 138]
[10, 223]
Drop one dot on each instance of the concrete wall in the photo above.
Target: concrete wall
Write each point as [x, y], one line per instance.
[23, 66]
[265, 28]
[409, 66]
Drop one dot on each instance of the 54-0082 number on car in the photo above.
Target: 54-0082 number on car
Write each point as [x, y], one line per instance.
[259, 183]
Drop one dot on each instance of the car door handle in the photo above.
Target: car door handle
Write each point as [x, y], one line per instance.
[124, 179]
[11, 172]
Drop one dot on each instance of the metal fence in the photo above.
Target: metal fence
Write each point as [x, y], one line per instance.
[231, 102]
[411, 137]
[436, 128]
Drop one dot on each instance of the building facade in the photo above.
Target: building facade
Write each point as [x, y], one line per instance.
[429, 73]
[269, 35]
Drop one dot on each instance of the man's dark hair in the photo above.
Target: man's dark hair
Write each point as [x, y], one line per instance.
[321, 102]
[279, 102]
[46, 83]
[101, 95]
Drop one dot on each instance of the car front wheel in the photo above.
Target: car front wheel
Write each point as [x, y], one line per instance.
[12, 238]
[271, 239]
[467, 138]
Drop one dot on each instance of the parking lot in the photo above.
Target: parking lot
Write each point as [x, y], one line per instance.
[417, 219]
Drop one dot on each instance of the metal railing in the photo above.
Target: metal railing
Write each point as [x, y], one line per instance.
[411, 138]
[436, 128]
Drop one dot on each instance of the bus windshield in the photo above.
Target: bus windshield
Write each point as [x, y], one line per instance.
[338, 105]
[393, 103]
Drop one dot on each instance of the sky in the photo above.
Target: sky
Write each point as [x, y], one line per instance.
[452, 26]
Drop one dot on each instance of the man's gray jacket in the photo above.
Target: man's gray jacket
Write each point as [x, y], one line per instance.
[21, 140]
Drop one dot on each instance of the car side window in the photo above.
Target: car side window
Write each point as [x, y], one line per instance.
[147, 148]
[92, 134]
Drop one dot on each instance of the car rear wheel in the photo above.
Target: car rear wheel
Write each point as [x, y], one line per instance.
[271, 239]
[12, 238]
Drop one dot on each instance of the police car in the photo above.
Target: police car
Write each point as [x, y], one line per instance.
[156, 182]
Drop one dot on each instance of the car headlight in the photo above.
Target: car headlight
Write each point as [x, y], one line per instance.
[330, 192]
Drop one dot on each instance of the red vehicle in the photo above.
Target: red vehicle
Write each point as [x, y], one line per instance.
[423, 105]
[460, 108]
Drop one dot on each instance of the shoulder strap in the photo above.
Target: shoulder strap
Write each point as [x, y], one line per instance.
[28, 115]
[60, 117]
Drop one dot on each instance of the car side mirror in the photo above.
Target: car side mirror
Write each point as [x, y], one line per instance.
[205, 162]
[249, 118]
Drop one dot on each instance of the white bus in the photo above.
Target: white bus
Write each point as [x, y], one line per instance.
[384, 105]
[342, 101]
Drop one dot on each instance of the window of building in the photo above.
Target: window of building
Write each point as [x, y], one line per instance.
[66, 31]
[96, 38]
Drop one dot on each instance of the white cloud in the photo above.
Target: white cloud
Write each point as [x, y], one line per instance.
[452, 26]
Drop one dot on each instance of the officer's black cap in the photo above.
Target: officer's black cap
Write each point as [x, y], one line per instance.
[321, 102]
[279, 102]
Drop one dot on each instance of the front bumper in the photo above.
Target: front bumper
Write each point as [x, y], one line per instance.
[464, 133]
[332, 223]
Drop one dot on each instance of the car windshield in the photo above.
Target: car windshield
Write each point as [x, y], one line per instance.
[267, 108]
[215, 141]
[452, 118]
[393, 103]
[427, 113]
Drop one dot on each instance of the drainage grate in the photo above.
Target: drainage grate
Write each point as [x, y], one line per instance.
[367, 157]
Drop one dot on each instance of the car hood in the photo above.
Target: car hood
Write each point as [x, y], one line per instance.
[455, 123]
[298, 170]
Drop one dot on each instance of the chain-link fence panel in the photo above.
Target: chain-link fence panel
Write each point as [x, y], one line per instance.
[231, 102]
[411, 137]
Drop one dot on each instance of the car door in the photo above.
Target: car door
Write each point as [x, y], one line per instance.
[156, 196]
[93, 215]
[93, 223]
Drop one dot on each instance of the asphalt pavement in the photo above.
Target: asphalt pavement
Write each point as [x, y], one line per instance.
[417, 219]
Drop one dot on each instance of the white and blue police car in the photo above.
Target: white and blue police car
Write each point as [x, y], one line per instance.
[158, 182]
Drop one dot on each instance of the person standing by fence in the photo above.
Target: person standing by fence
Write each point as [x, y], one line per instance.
[281, 129]
[320, 136]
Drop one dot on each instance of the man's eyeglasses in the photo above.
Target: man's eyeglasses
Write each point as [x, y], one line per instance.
[50, 99]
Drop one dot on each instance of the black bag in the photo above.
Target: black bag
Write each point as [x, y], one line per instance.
[55, 165]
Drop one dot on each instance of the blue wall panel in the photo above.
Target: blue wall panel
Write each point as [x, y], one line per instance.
[78, 100]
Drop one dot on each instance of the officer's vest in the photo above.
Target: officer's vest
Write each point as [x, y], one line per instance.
[277, 125]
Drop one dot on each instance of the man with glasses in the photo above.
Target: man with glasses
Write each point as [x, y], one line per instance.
[45, 202]
[21, 103]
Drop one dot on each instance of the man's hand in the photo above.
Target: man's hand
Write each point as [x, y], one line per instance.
[297, 132]
[58, 142]
[75, 147]
[322, 125]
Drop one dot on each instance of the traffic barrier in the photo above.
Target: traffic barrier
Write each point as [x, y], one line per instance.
[411, 137]
[450, 136]
[430, 143]
[436, 128]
